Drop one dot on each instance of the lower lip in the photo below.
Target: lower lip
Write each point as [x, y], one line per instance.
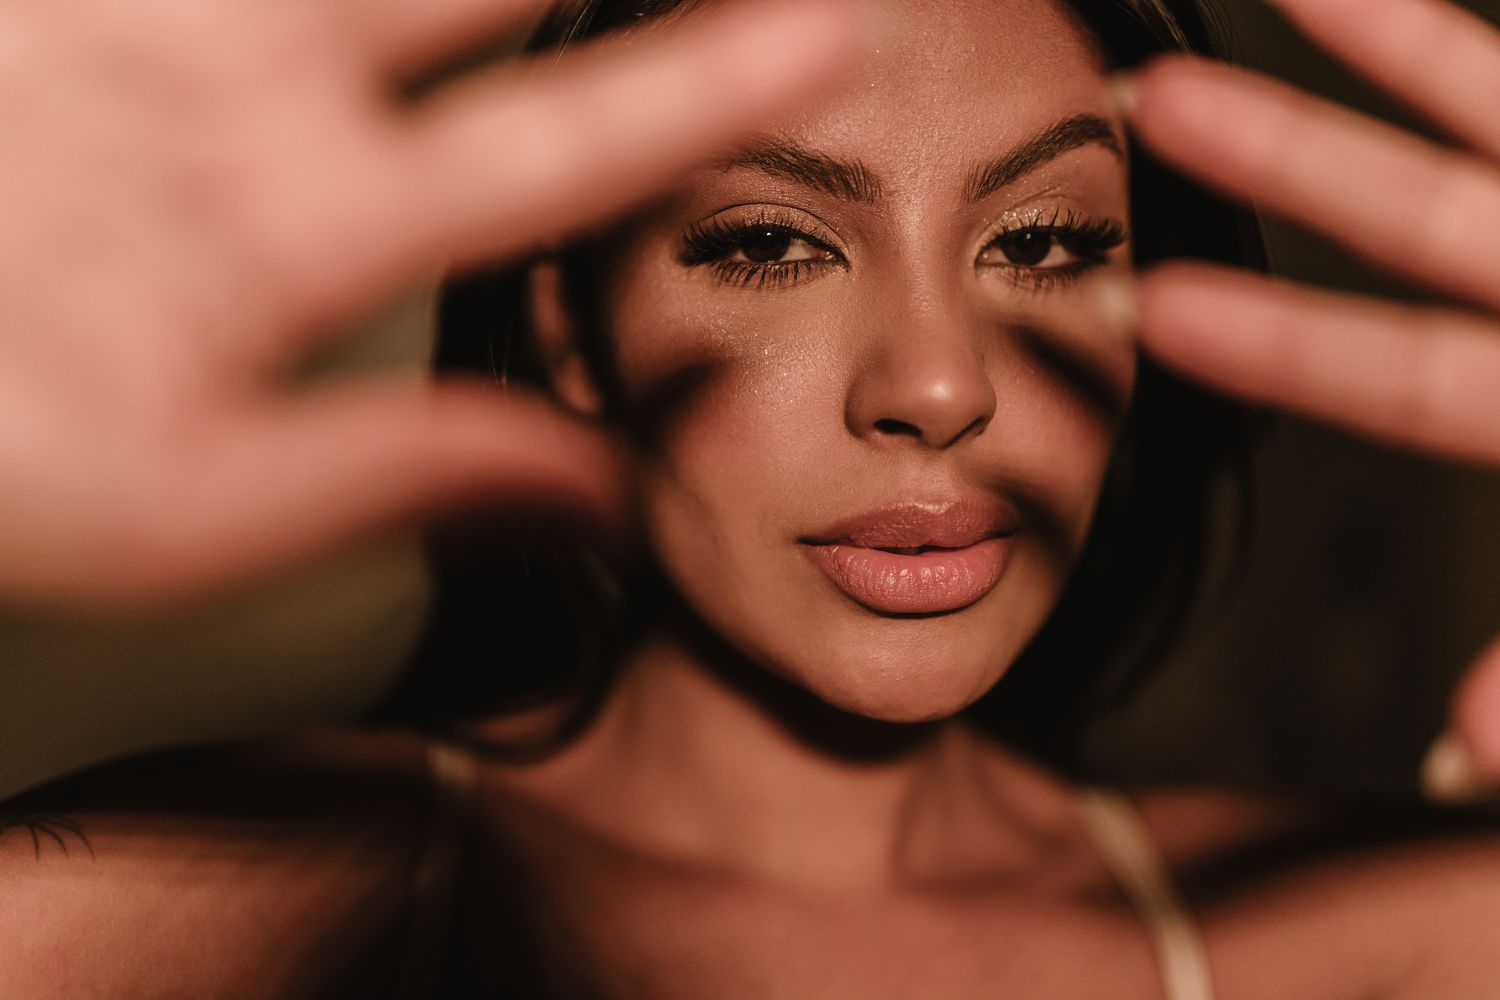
[932, 582]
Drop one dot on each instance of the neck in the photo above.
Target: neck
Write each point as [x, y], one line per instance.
[700, 755]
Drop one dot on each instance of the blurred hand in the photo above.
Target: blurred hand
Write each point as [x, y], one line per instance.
[196, 196]
[1424, 377]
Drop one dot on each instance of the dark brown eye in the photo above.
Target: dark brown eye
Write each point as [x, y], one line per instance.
[766, 246]
[1025, 248]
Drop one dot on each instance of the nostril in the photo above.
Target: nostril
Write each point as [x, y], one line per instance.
[898, 428]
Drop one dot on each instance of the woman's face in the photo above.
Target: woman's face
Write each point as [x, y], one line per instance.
[872, 400]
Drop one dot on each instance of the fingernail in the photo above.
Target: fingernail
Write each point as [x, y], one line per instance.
[1125, 92]
[1115, 302]
[1449, 775]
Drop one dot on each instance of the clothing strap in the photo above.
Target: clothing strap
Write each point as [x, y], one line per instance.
[1127, 847]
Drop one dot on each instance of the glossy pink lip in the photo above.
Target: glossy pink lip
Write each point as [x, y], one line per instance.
[918, 558]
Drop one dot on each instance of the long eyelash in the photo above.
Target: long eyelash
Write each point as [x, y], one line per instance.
[1090, 240]
[47, 826]
[740, 274]
[705, 242]
[713, 241]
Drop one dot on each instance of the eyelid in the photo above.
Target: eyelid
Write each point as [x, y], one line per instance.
[1093, 238]
[749, 214]
[1054, 219]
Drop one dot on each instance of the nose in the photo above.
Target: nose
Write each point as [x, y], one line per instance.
[924, 382]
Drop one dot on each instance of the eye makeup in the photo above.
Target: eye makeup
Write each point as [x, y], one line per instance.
[772, 246]
[768, 247]
[1021, 250]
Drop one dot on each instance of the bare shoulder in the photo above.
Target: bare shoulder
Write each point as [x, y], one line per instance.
[1386, 900]
[264, 871]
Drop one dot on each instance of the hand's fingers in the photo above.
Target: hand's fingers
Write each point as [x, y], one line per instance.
[1420, 377]
[526, 157]
[1435, 56]
[407, 36]
[522, 155]
[1401, 202]
[352, 463]
[1475, 723]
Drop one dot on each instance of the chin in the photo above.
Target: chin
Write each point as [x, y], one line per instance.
[904, 685]
[888, 668]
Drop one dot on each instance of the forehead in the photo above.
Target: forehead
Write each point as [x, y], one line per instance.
[955, 79]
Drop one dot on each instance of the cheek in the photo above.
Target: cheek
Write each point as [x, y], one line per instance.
[709, 374]
[703, 386]
[1062, 400]
[730, 408]
[1059, 451]
[735, 468]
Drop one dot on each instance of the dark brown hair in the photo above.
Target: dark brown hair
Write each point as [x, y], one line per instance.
[543, 626]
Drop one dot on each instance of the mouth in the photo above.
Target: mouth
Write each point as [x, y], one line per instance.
[918, 558]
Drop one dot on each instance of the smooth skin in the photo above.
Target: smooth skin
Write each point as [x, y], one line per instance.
[1422, 377]
[197, 198]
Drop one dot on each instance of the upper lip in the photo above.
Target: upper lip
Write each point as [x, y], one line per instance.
[942, 524]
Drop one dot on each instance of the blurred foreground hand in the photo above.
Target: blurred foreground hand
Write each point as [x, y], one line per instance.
[197, 196]
[1428, 378]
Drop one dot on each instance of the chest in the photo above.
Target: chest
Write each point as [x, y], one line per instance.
[548, 912]
[574, 920]
[626, 932]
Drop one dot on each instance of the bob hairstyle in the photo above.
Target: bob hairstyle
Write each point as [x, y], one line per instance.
[504, 633]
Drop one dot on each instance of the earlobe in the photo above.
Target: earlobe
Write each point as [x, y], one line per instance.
[557, 341]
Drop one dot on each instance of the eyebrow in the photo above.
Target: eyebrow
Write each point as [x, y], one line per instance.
[846, 179]
[851, 180]
[1048, 144]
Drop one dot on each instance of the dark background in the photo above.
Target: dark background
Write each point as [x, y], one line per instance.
[1374, 579]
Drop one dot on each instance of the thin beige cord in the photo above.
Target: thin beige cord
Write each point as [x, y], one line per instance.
[1126, 845]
